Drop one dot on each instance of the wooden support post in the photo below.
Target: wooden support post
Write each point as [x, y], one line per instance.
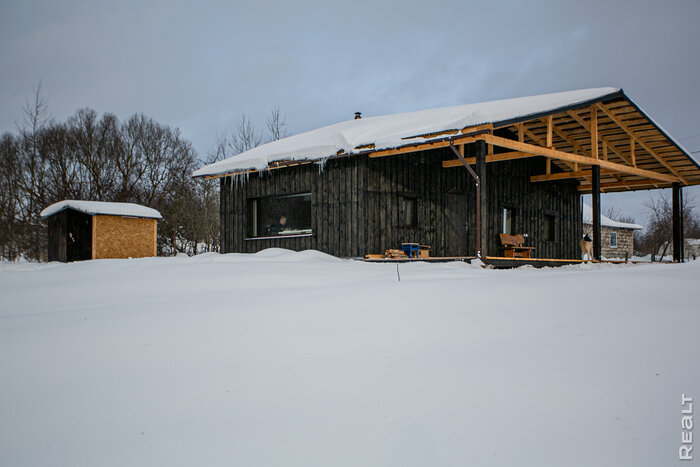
[549, 166]
[484, 205]
[595, 195]
[682, 231]
[605, 151]
[594, 132]
[632, 157]
[677, 224]
[521, 132]
[550, 120]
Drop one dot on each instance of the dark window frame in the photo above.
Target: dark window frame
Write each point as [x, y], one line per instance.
[555, 233]
[414, 211]
[251, 221]
[514, 215]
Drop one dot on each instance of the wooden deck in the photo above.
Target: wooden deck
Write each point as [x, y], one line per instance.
[496, 262]
[432, 259]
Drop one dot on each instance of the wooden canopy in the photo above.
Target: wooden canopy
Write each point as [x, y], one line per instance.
[633, 153]
[609, 131]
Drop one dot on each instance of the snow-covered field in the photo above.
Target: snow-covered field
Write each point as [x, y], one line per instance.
[301, 359]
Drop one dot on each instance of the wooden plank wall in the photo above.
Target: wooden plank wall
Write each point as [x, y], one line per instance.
[355, 205]
[337, 203]
[509, 186]
[57, 237]
[418, 175]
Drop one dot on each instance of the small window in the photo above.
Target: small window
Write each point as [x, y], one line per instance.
[549, 228]
[407, 212]
[508, 221]
[613, 239]
[280, 215]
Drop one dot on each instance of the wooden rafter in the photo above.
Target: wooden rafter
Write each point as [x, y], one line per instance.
[624, 184]
[577, 146]
[604, 139]
[530, 134]
[504, 156]
[594, 132]
[547, 152]
[566, 175]
[641, 143]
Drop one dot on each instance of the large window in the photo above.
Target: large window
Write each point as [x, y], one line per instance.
[613, 239]
[549, 225]
[276, 216]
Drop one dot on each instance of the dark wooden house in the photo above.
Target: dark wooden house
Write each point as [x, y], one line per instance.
[80, 230]
[367, 185]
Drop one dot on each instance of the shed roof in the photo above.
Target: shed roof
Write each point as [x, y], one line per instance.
[606, 221]
[102, 208]
[633, 151]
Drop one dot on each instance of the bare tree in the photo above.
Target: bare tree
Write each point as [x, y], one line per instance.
[659, 229]
[276, 124]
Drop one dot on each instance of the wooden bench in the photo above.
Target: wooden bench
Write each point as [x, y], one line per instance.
[513, 246]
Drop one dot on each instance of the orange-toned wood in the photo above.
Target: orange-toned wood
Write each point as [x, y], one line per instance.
[123, 237]
[513, 246]
[530, 148]
[155, 237]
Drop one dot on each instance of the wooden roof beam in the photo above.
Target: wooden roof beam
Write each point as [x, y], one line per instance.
[504, 156]
[565, 156]
[567, 175]
[604, 139]
[646, 147]
[624, 184]
[530, 134]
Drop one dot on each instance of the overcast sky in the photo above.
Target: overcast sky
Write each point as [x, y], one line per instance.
[199, 65]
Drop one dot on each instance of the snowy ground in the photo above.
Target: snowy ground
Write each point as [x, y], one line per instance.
[301, 359]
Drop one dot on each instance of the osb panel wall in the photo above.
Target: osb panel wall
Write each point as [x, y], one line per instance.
[123, 237]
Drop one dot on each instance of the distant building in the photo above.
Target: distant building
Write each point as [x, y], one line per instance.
[691, 249]
[80, 230]
[617, 239]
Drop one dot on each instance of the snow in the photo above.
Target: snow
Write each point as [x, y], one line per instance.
[605, 220]
[102, 207]
[390, 131]
[303, 359]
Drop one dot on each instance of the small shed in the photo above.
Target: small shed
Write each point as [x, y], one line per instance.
[617, 239]
[80, 230]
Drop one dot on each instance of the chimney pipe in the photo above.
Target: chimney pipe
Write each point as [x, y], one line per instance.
[358, 115]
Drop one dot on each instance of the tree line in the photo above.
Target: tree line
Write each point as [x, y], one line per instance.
[93, 157]
[98, 157]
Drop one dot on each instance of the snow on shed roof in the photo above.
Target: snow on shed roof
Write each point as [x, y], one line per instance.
[391, 131]
[606, 221]
[102, 207]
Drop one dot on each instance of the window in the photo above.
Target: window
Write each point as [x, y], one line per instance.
[280, 215]
[613, 239]
[508, 221]
[549, 228]
[407, 212]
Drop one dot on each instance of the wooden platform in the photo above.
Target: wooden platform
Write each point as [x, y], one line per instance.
[500, 262]
[434, 259]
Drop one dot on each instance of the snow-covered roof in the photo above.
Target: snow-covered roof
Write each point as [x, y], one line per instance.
[103, 208]
[606, 221]
[391, 131]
